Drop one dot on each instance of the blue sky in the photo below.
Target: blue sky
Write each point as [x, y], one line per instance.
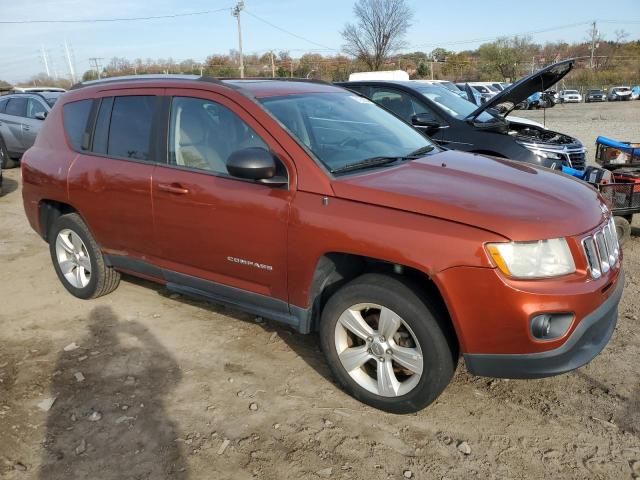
[454, 25]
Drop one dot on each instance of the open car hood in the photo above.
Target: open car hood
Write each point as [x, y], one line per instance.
[525, 87]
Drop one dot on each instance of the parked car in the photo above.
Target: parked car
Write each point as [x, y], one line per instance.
[446, 84]
[21, 117]
[618, 94]
[540, 100]
[458, 124]
[569, 96]
[310, 205]
[36, 89]
[594, 95]
[635, 92]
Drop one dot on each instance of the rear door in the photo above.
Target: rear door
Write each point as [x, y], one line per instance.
[110, 179]
[11, 123]
[215, 231]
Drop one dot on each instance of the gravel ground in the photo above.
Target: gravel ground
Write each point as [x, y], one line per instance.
[151, 386]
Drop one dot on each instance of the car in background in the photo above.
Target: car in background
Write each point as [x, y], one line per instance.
[619, 94]
[570, 96]
[457, 124]
[21, 117]
[381, 75]
[540, 100]
[594, 95]
[635, 92]
[36, 89]
[446, 84]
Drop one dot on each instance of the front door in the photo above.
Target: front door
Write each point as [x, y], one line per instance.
[30, 124]
[215, 231]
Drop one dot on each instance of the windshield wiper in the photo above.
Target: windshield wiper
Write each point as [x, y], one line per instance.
[419, 152]
[367, 163]
[378, 161]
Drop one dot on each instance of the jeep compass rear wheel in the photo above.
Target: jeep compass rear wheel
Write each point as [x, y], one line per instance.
[78, 260]
[385, 345]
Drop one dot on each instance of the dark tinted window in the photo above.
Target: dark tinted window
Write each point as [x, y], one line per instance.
[101, 133]
[75, 116]
[3, 104]
[130, 128]
[17, 107]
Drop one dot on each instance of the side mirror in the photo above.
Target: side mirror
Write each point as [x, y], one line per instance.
[254, 163]
[426, 122]
[40, 115]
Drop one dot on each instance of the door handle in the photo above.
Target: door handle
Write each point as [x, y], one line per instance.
[26, 128]
[173, 188]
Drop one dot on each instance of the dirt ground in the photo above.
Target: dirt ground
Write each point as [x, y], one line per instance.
[153, 386]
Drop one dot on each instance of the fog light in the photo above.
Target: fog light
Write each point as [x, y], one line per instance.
[541, 326]
[548, 326]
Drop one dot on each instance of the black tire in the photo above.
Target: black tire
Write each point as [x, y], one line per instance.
[438, 345]
[7, 161]
[103, 279]
[623, 228]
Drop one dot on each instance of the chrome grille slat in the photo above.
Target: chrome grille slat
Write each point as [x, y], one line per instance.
[601, 249]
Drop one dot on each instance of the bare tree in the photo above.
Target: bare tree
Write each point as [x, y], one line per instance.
[379, 31]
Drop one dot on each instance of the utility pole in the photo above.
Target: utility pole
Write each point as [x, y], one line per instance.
[71, 70]
[594, 34]
[95, 63]
[236, 13]
[44, 59]
[273, 66]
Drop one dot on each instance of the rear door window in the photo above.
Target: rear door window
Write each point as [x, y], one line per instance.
[130, 127]
[75, 116]
[17, 107]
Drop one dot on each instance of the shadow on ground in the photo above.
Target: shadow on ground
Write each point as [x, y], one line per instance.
[109, 420]
[9, 185]
[306, 347]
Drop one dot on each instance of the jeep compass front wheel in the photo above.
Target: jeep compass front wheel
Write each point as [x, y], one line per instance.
[385, 345]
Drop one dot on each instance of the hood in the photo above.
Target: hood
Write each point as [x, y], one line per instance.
[512, 199]
[525, 87]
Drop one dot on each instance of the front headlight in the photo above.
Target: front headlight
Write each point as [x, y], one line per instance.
[538, 259]
[543, 153]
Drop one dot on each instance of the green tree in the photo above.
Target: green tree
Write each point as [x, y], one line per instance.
[506, 57]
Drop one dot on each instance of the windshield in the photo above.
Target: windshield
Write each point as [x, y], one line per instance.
[453, 104]
[51, 97]
[621, 89]
[343, 129]
[570, 92]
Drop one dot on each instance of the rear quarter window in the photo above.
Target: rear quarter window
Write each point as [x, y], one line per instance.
[76, 115]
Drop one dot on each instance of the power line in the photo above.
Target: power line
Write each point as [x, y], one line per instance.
[288, 32]
[123, 19]
[489, 39]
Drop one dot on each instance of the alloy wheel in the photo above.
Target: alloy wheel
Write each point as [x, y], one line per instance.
[73, 258]
[378, 350]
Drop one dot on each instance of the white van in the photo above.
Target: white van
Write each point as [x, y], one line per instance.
[385, 75]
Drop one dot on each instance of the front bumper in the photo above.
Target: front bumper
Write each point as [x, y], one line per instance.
[587, 340]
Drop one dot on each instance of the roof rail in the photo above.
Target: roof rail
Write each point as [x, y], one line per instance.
[204, 78]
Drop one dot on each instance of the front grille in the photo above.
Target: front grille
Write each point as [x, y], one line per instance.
[576, 160]
[602, 249]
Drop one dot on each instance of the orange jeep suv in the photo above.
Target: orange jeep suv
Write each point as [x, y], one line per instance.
[310, 205]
